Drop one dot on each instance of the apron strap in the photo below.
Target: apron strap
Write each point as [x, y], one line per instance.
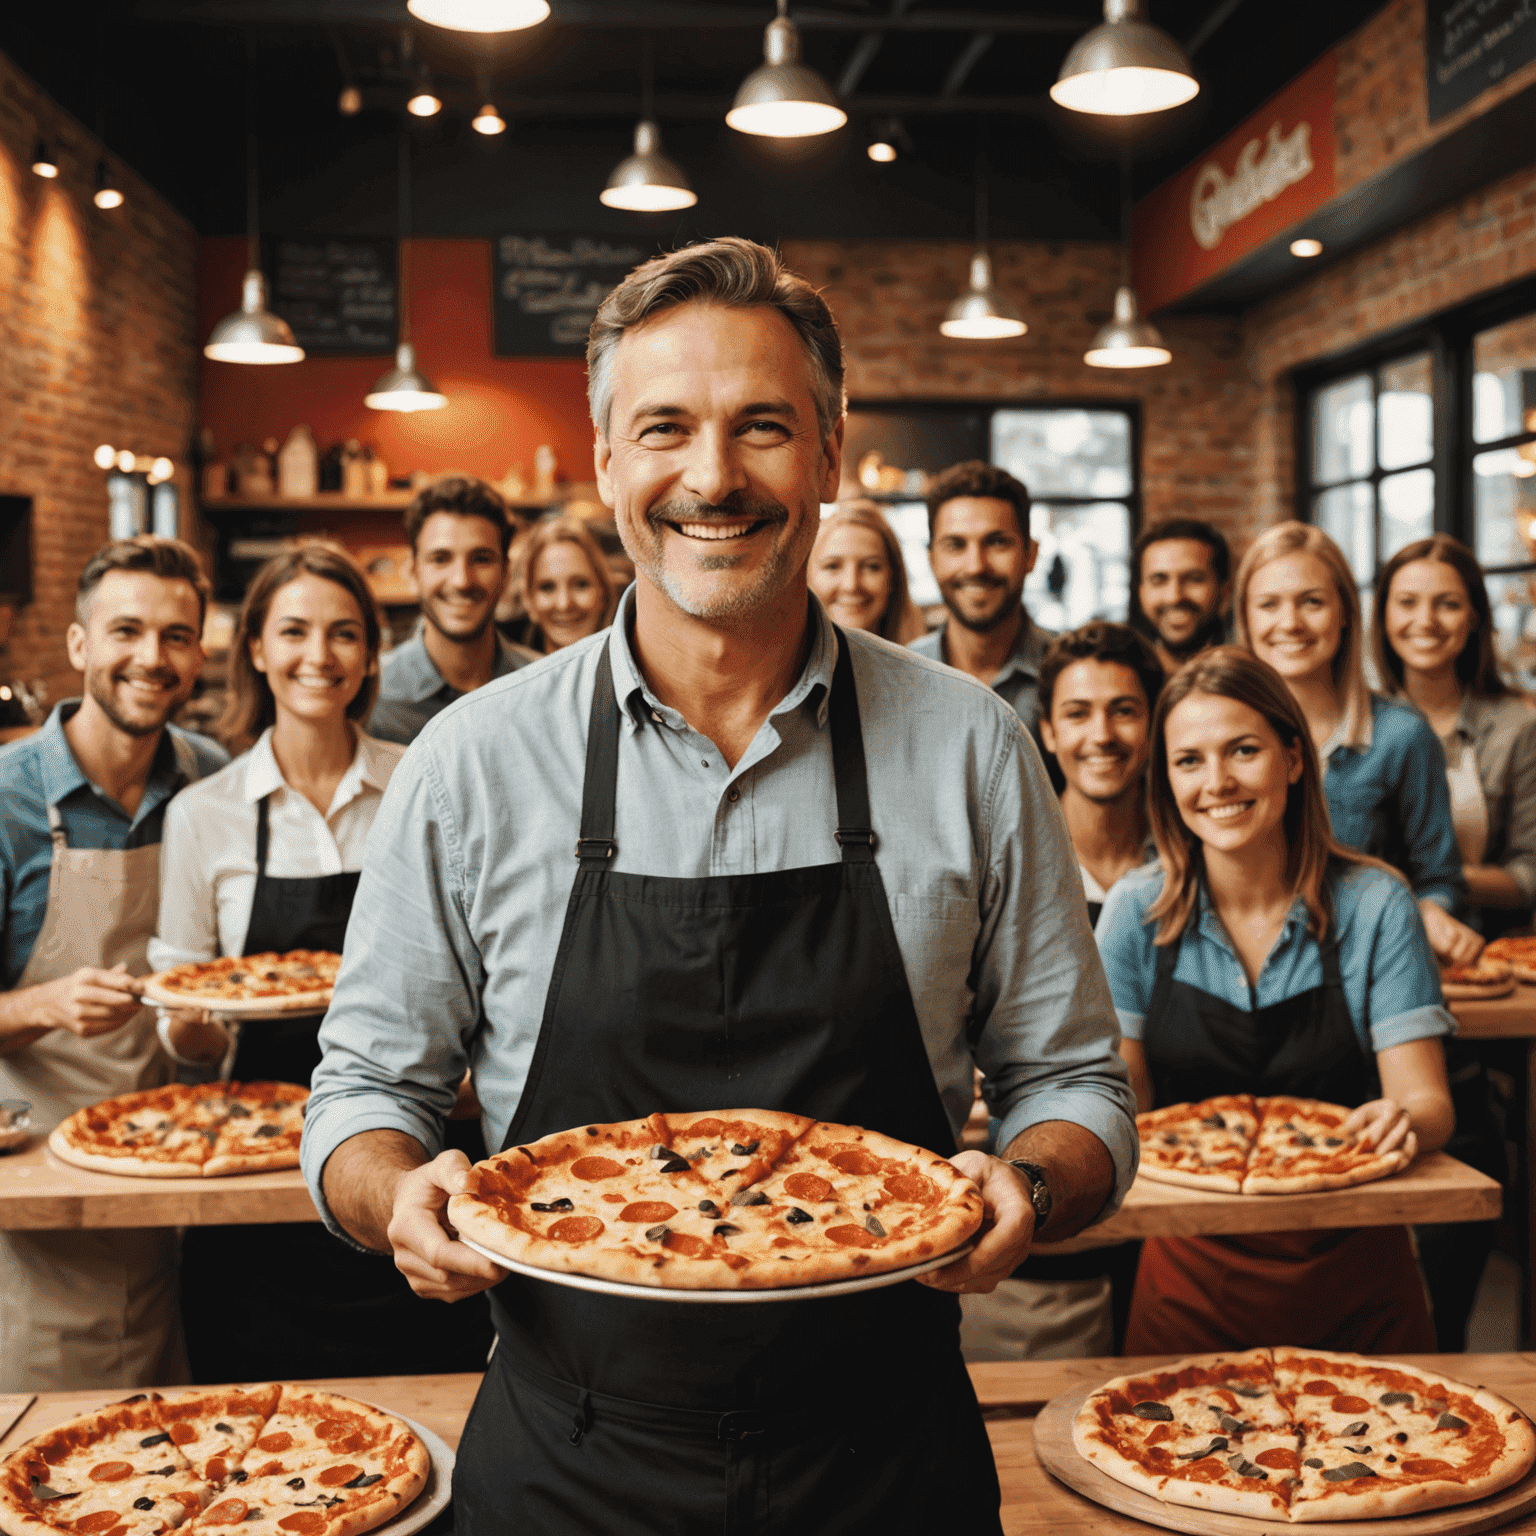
[855, 836]
[263, 836]
[1167, 958]
[595, 846]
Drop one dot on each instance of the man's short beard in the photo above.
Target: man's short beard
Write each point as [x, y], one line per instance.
[1005, 610]
[1211, 632]
[102, 696]
[460, 639]
[777, 569]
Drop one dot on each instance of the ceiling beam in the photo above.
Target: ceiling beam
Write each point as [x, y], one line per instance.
[970, 56]
[862, 57]
[1217, 18]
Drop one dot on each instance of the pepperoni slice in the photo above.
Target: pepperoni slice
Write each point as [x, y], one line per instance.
[1426, 1466]
[611, 1199]
[912, 1188]
[650, 1211]
[855, 1160]
[685, 1243]
[576, 1229]
[110, 1471]
[590, 1168]
[807, 1186]
[304, 1522]
[226, 1512]
[95, 1524]
[183, 1433]
[280, 1441]
[267, 1469]
[706, 1127]
[1344, 1403]
[331, 1429]
[1280, 1459]
[334, 1477]
[851, 1237]
[1319, 1389]
[217, 1467]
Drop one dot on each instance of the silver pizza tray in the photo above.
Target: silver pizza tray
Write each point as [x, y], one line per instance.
[721, 1298]
[433, 1498]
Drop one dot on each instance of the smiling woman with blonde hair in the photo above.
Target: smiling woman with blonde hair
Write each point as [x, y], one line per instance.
[857, 570]
[1297, 609]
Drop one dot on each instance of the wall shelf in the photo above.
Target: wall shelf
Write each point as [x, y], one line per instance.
[385, 501]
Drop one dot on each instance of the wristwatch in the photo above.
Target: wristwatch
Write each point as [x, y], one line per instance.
[1039, 1190]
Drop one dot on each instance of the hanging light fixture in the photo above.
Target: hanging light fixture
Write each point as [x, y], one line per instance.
[252, 334]
[1125, 66]
[981, 313]
[43, 163]
[647, 181]
[480, 15]
[424, 101]
[1127, 341]
[488, 121]
[350, 102]
[404, 388]
[783, 98]
[107, 194]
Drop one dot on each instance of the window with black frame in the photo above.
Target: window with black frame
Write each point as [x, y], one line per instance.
[1434, 432]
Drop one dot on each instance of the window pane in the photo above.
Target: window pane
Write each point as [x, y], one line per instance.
[1405, 413]
[1504, 380]
[1407, 509]
[1083, 571]
[1504, 505]
[1343, 443]
[1065, 453]
[1513, 599]
[1347, 515]
[909, 522]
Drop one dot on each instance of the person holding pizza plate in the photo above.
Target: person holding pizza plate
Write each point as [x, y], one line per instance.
[265, 858]
[1261, 956]
[756, 917]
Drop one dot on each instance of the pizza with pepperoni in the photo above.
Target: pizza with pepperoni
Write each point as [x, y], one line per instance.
[732, 1199]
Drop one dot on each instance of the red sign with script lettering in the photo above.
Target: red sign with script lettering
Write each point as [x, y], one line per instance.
[1265, 176]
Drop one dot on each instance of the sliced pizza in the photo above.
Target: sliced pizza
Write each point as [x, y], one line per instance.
[1518, 952]
[1486, 977]
[1301, 1148]
[1201, 1146]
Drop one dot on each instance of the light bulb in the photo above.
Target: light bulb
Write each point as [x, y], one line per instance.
[107, 194]
[1306, 247]
[105, 456]
[43, 163]
[161, 469]
[424, 104]
[125, 461]
[881, 151]
[350, 102]
[480, 15]
[488, 120]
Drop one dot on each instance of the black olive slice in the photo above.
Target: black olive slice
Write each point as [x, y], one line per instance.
[1312, 1461]
[1245, 1468]
[749, 1197]
[726, 1173]
[1450, 1421]
[44, 1492]
[269, 1130]
[1247, 1391]
[1392, 1458]
[725, 1229]
[659, 1154]
[365, 1480]
[239, 1475]
[235, 976]
[162, 1471]
[295, 1482]
[654, 1234]
[1231, 1425]
[745, 1151]
[144, 1503]
[1159, 1411]
[872, 1226]
[562, 1204]
[1214, 1123]
[1359, 1427]
[1333, 1141]
[676, 1165]
[223, 1428]
[1388, 1398]
[1349, 1470]
[1358, 1450]
[1301, 1139]
[796, 1216]
[1218, 1444]
[1401, 1439]
[709, 1207]
[150, 1440]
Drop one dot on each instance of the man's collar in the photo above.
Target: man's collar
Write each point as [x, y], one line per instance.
[639, 704]
[1029, 647]
[62, 774]
[413, 675]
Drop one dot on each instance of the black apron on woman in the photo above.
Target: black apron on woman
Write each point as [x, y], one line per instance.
[1353, 1289]
[291, 1300]
[785, 991]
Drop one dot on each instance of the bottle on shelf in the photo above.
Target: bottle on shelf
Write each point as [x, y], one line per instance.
[298, 464]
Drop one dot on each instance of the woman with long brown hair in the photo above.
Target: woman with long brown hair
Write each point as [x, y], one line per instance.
[564, 582]
[1259, 955]
[1296, 608]
[858, 572]
[266, 856]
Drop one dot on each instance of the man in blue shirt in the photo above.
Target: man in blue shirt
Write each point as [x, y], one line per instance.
[84, 801]
[460, 531]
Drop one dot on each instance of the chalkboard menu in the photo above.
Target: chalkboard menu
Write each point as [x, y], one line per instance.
[1473, 44]
[338, 295]
[548, 288]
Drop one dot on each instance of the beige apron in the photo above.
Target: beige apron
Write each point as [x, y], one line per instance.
[89, 1308]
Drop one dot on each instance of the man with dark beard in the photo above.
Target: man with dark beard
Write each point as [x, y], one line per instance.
[981, 551]
[459, 530]
[84, 802]
[1181, 571]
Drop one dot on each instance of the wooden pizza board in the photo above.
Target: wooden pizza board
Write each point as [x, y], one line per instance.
[1059, 1457]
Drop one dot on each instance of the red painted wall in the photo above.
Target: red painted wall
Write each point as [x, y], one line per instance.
[500, 409]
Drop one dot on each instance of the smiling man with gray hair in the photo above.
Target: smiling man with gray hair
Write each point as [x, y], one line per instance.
[813, 873]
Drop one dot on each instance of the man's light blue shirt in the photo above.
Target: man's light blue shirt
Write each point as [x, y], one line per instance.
[1391, 983]
[470, 864]
[40, 770]
[412, 690]
[1018, 679]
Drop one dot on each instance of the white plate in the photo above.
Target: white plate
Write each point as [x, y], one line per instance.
[676, 1293]
[433, 1499]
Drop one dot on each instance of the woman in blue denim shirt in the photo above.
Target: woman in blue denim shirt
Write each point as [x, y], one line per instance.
[1297, 608]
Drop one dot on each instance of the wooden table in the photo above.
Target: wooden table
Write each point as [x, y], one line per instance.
[1499, 1018]
[1034, 1503]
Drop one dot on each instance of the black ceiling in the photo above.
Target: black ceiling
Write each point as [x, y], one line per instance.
[165, 81]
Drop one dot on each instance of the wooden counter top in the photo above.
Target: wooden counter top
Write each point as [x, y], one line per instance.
[1499, 1018]
[39, 1191]
[1436, 1188]
[1034, 1503]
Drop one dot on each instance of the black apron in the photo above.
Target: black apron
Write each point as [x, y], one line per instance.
[1355, 1289]
[783, 991]
[307, 1304]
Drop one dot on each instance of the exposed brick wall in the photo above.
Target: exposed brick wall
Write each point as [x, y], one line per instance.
[98, 346]
[1198, 411]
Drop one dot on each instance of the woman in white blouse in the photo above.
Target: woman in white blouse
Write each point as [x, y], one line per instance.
[266, 856]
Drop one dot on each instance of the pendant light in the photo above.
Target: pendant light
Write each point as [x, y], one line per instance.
[783, 98]
[1124, 67]
[252, 334]
[43, 163]
[403, 388]
[107, 194]
[1127, 341]
[480, 15]
[488, 121]
[981, 313]
[647, 181]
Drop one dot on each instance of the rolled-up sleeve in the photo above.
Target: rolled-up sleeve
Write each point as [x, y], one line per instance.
[1048, 1045]
[1403, 1001]
[1520, 857]
[396, 1037]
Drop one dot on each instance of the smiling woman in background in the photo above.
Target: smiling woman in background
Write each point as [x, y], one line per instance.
[265, 856]
[565, 584]
[858, 573]
[1383, 771]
